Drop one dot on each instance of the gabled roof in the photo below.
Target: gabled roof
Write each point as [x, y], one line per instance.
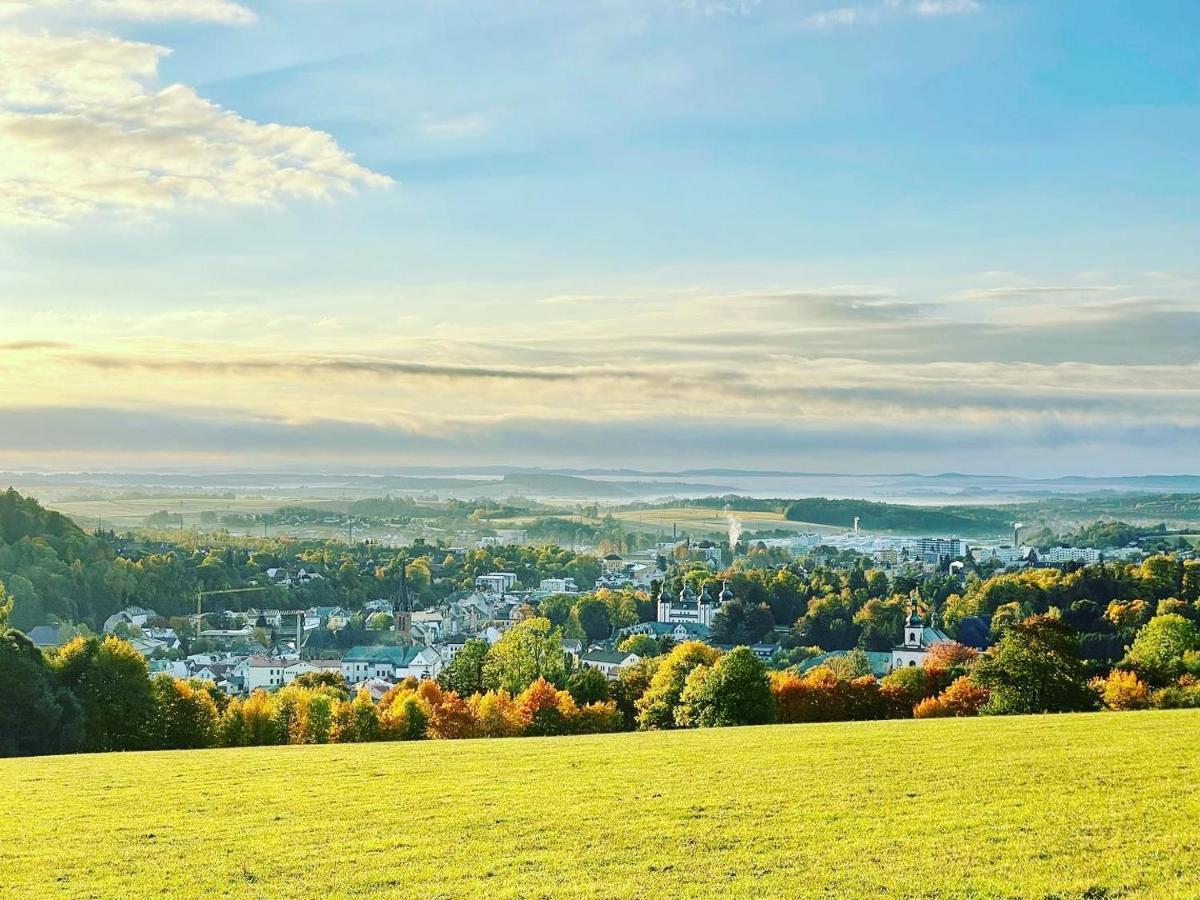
[880, 661]
[608, 657]
[395, 656]
[44, 636]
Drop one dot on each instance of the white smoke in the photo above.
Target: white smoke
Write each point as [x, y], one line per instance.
[735, 529]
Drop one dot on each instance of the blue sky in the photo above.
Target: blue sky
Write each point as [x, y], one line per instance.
[868, 236]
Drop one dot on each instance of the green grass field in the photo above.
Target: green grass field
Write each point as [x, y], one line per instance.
[1083, 806]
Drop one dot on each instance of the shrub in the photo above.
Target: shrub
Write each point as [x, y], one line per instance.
[1123, 690]
[962, 698]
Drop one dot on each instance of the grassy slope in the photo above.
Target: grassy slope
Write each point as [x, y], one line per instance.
[995, 807]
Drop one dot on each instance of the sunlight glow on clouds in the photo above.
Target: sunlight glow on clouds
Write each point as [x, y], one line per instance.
[225, 12]
[85, 129]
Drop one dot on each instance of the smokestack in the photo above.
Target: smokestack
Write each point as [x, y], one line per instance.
[856, 526]
[1017, 526]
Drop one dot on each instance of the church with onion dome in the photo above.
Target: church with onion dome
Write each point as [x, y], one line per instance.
[917, 640]
[690, 609]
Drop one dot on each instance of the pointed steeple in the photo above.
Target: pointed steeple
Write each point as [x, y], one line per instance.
[726, 593]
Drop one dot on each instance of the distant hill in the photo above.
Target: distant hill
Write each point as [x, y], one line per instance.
[960, 520]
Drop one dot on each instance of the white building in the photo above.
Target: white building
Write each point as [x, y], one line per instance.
[1069, 554]
[558, 586]
[918, 638]
[609, 662]
[262, 672]
[496, 582]
[390, 663]
[136, 616]
[1006, 554]
[939, 549]
[690, 609]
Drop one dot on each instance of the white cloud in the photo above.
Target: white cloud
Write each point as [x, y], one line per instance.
[84, 128]
[220, 11]
[946, 7]
[873, 14]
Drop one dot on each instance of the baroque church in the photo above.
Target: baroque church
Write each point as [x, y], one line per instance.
[917, 639]
[688, 609]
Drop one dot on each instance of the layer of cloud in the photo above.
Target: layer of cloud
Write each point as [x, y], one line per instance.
[225, 12]
[84, 129]
[879, 12]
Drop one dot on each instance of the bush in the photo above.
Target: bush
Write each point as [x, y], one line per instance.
[546, 709]
[962, 698]
[1123, 690]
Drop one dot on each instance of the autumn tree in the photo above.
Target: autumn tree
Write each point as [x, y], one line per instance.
[735, 690]
[1035, 668]
[1123, 690]
[1157, 653]
[526, 652]
[110, 680]
[546, 709]
[588, 686]
[962, 698]
[656, 708]
[464, 674]
[186, 716]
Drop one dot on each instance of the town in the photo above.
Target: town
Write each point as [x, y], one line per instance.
[261, 648]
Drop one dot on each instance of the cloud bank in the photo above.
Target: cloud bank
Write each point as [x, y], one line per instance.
[85, 129]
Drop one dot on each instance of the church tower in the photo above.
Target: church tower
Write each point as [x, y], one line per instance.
[913, 626]
[664, 601]
[402, 611]
[707, 607]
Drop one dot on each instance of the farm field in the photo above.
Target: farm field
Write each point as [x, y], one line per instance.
[1081, 806]
[120, 512]
[713, 521]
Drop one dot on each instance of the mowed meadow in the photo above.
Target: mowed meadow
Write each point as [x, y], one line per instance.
[1083, 806]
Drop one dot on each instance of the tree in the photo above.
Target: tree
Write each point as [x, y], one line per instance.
[334, 682]
[593, 617]
[734, 691]
[1157, 652]
[464, 674]
[656, 707]
[546, 709]
[186, 716]
[880, 621]
[379, 621]
[643, 645]
[588, 686]
[1035, 668]
[741, 623]
[355, 721]
[526, 652]
[110, 681]
[854, 664]
[36, 715]
[497, 714]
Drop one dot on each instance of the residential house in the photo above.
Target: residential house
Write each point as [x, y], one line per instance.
[609, 662]
[135, 616]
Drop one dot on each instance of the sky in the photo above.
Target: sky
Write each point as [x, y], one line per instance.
[812, 235]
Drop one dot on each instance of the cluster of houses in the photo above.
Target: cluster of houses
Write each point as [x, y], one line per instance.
[270, 648]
